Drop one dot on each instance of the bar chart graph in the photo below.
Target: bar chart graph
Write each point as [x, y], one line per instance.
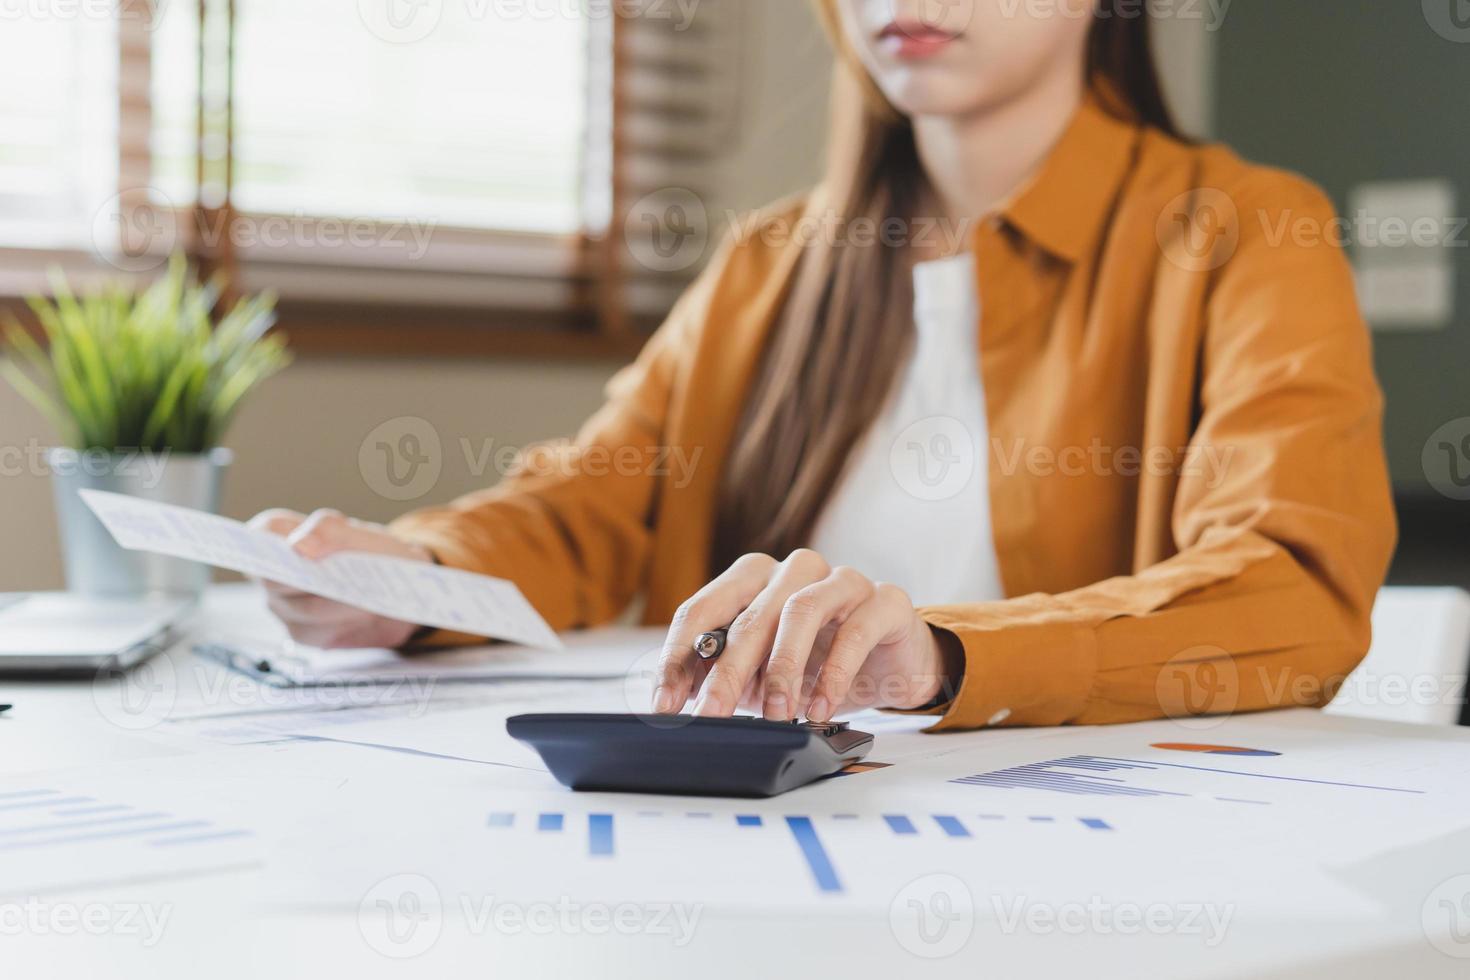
[1095, 775]
[41, 818]
[1083, 775]
[597, 835]
[52, 836]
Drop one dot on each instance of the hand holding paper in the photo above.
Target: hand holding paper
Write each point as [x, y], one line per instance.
[400, 589]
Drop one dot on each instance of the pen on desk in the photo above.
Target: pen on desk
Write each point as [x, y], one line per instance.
[709, 646]
[5, 707]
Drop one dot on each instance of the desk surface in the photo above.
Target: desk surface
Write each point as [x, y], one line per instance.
[265, 919]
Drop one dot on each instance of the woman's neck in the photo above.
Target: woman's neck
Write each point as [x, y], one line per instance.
[976, 161]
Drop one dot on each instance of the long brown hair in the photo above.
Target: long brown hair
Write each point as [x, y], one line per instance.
[847, 321]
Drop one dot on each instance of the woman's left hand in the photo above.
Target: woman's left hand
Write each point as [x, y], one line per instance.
[805, 639]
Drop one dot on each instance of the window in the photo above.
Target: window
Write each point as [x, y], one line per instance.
[58, 128]
[479, 124]
[403, 154]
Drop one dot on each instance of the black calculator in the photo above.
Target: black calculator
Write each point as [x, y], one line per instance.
[688, 756]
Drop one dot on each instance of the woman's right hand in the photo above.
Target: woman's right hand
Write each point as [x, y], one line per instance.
[325, 623]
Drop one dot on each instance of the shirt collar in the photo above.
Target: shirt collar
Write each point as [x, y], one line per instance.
[1064, 206]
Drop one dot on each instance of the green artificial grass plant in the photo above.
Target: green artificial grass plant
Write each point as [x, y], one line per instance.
[143, 370]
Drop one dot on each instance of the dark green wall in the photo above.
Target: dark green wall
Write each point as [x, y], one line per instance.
[1347, 91]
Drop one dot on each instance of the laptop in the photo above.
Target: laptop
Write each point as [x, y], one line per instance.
[61, 633]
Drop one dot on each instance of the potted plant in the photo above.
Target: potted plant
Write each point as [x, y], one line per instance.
[141, 384]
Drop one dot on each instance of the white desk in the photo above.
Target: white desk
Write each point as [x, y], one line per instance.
[241, 923]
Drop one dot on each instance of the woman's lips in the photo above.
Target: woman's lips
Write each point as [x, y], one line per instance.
[914, 40]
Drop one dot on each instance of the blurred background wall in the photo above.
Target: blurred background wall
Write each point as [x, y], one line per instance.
[1367, 98]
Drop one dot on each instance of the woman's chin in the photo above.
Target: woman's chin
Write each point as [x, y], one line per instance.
[914, 95]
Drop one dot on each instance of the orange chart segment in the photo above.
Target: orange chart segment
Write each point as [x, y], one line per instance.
[1211, 749]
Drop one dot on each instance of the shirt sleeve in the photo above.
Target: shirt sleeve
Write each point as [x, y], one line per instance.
[571, 526]
[1267, 600]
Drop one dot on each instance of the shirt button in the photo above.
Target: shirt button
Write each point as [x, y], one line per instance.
[999, 716]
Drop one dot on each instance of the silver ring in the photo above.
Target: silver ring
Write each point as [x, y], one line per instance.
[710, 645]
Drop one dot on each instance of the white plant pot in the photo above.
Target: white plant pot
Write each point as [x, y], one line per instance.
[95, 564]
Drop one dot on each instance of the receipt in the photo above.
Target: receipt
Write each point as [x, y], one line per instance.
[416, 592]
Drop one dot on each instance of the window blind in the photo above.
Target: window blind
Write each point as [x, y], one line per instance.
[678, 100]
[548, 156]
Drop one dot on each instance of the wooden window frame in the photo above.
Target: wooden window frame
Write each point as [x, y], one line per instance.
[588, 274]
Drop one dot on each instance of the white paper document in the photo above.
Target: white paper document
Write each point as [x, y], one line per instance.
[151, 819]
[1141, 816]
[603, 654]
[416, 592]
[835, 847]
[69, 833]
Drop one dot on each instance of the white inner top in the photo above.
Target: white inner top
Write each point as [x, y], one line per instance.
[912, 507]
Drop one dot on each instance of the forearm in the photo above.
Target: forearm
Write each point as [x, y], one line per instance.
[575, 555]
[1239, 625]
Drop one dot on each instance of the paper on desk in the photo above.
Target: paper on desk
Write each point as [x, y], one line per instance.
[415, 592]
[402, 702]
[1381, 792]
[91, 828]
[604, 654]
[359, 723]
[152, 819]
[827, 849]
[1242, 836]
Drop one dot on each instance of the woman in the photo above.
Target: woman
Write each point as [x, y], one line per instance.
[1110, 450]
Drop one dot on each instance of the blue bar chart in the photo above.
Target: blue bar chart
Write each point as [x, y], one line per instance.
[900, 824]
[596, 835]
[54, 838]
[40, 818]
[951, 825]
[600, 834]
[816, 855]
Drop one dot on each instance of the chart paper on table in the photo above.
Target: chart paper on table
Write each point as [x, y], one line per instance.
[599, 654]
[412, 591]
[1252, 783]
[807, 853]
[59, 836]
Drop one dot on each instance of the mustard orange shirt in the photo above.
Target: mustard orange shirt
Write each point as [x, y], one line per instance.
[1188, 491]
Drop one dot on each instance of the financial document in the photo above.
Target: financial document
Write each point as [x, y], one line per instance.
[849, 844]
[1139, 817]
[416, 592]
[66, 832]
[603, 654]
